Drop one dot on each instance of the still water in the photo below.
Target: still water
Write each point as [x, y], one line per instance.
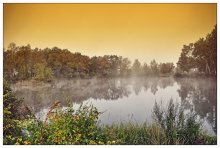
[125, 99]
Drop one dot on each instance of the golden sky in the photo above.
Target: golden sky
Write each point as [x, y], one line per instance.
[143, 31]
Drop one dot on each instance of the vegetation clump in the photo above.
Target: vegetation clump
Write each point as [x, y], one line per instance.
[178, 128]
[12, 130]
[67, 126]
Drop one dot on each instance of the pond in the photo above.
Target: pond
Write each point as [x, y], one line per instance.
[125, 99]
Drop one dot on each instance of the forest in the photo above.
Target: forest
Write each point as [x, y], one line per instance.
[23, 63]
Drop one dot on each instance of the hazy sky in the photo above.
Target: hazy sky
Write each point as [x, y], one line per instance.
[143, 31]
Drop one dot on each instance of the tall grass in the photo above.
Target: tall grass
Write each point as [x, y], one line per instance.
[177, 127]
[171, 127]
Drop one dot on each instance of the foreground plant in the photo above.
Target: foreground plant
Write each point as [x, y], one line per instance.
[11, 124]
[67, 126]
[179, 128]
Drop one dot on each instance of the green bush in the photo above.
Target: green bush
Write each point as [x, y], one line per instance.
[67, 126]
[11, 124]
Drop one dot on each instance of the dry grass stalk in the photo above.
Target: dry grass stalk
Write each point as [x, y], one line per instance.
[55, 105]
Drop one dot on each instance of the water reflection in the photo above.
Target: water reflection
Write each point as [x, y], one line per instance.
[200, 96]
[123, 97]
[80, 90]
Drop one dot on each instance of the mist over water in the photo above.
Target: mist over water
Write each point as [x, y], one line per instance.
[125, 99]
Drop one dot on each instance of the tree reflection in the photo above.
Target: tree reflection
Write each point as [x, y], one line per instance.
[155, 83]
[137, 85]
[75, 90]
[79, 90]
[200, 95]
[154, 88]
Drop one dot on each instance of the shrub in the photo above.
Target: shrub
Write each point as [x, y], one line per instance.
[67, 126]
[11, 123]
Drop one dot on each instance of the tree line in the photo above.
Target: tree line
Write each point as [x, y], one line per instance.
[23, 62]
[201, 55]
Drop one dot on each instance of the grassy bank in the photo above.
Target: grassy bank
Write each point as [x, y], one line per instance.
[69, 126]
[80, 127]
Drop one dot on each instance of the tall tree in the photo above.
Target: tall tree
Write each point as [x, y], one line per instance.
[146, 69]
[166, 68]
[125, 65]
[154, 67]
[136, 68]
[202, 55]
[186, 60]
